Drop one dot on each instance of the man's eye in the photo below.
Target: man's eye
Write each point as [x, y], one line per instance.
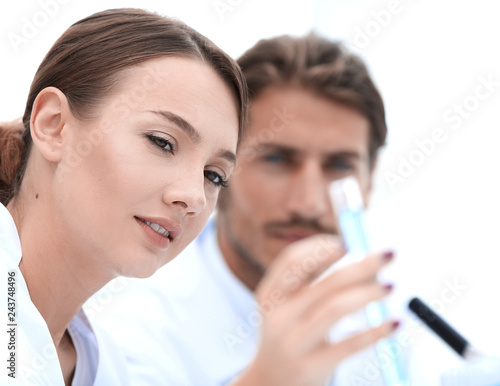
[162, 143]
[275, 158]
[341, 165]
[215, 179]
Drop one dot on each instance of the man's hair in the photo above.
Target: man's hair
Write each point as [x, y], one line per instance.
[322, 66]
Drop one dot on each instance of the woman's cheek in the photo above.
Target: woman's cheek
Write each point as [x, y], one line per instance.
[201, 220]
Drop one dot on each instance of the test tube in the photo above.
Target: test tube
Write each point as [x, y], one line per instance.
[348, 206]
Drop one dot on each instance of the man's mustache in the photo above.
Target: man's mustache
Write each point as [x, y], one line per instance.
[299, 222]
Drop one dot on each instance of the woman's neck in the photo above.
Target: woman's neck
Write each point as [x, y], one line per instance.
[60, 276]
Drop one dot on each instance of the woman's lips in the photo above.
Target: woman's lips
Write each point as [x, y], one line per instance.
[160, 232]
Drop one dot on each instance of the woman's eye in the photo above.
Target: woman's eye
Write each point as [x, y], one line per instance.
[162, 143]
[215, 178]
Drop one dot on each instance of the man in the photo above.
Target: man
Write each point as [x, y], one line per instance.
[315, 117]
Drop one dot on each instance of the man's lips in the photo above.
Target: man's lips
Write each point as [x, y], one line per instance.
[293, 235]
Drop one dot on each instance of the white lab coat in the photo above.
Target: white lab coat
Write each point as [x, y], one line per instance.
[176, 327]
[36, 363]
[194, 323]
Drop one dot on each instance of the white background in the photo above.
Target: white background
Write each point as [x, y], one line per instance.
[426, 57]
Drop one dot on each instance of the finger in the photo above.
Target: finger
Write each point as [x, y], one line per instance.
[300, 263]
[357, 273]
[351, 275]
[312, 329]
[330, 355]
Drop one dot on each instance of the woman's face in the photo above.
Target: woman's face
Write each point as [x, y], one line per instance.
[138, 182]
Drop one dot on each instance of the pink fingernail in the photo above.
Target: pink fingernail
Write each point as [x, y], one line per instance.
[388, 256]
[388, 287]
[395, 324]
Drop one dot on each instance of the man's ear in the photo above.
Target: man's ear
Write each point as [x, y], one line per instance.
[49, 115]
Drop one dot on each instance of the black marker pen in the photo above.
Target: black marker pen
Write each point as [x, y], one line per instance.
[456, 341]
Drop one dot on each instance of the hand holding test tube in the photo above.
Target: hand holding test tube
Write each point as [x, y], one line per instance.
[347, 204]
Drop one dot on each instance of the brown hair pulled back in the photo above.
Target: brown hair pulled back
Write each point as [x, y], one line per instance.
[86, 62]
[11, 152]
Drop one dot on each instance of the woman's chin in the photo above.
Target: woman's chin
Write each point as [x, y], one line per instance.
[142, 262]
[139, 269]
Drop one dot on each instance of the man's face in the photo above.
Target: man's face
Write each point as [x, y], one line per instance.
[296, 144]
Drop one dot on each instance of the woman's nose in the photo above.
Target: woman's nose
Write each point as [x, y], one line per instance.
[187, 193]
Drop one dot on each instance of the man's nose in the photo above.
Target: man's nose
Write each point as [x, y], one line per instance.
[307, 195]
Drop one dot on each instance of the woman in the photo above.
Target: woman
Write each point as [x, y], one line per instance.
[129, 133]
[130, 130]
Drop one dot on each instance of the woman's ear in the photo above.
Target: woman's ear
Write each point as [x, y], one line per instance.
[49, 116]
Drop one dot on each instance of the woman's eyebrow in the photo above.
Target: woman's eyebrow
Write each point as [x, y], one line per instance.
[191, 131]
[179, 122]
[228, 155]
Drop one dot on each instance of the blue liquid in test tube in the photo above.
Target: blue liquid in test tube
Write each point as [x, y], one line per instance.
[348, 206]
